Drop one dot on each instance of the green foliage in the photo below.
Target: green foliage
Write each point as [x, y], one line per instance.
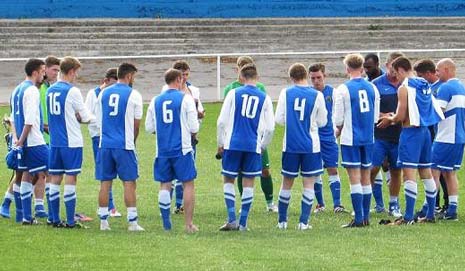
[325, 247]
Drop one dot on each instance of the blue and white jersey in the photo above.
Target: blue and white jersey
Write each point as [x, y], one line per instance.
[302, 110]
[91, 105]
[119, 105]
[25, 105]
[64, 102]
[246, 121]
[435, 87]
[451, 98]
[423, 110]
[173, 117]
[357, 110]
[326, 133]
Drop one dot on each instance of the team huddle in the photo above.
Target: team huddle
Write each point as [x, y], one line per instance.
[389, 119]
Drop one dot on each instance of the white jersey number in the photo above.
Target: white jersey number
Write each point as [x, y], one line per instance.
[299, 105]
[249, 106]
[167, 113]
[54, 104]
[113, 102]
[363, 99]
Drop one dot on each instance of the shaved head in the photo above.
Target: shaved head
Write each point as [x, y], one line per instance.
[445, 69]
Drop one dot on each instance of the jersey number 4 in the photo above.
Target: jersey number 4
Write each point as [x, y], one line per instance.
[299, 105]
[249, 106]
[54, 104]
[363, 99]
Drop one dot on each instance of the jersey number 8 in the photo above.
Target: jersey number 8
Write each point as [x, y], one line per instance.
[363, 99]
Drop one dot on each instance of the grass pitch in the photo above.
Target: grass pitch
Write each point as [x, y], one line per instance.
[325, 247]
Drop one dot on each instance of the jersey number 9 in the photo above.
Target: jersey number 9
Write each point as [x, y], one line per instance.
[54, 104]
[113, 102]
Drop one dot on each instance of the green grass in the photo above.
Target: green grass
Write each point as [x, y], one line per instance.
[325, 247]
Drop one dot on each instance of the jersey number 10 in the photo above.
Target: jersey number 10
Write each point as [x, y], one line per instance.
[249, 106]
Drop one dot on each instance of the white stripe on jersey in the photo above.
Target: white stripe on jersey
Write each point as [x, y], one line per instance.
[31, 109]
[91, 104]
[134, 110]
[343, 114]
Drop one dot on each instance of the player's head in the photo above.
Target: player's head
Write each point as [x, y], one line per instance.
[244, 60]
[111, 77]
[298, 72]
[248, 72]
[126, 73]
[402, 67]
[173, 78]
[317, 75]
[446, 69]
[184, 68]
[69, 67]
[426, 69]
[371, 65]
[52, 67]
[390, 58]
[35, 70]
[354, 63]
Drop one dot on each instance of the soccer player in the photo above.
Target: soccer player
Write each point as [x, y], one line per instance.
[66, 110]
[52, 67]
[329, 148]
[194, 92]
[266, 180]
[426, 69]
[244, 128]
[386, 142]
[94, 130]
[416, 110]
[447, 151]
[28, 125]
[356, 112]
[371, 67]
[302, 110]
[173, 117]
[119, 111]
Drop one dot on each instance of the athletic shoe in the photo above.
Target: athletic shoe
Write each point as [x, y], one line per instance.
[32, 222]
[82, 217]
[272, 208]
[447, 216]
[303, 227]
[179, 211]
[104, 225]
[339, 209]
[401, 221]
[135, 227]
[319, 208]
[242, 228]
[438, 210]
[76, 225]
[233, 226]
[49, 222]
[282, 225]
[40, 211]
[114, 213]
[352, 224]
[426, 220]
[59, 225]
[378, 209]
[395, 212]
[5, 211]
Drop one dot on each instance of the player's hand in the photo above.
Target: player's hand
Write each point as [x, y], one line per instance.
[78, 117]
[337, 132]
[200, 115]
[384, 122]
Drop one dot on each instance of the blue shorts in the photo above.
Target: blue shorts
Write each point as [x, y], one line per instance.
[414, 148]
[112, 163]
[383, 149]
[329, 153]
[309, 164]
[181, 168]
[357, 156]
[65, 160]
[34, 159]
[446, 156]
[248, 163]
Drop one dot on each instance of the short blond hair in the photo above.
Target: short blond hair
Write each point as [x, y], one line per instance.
[244, 60]
[69, 63]
[354, 61]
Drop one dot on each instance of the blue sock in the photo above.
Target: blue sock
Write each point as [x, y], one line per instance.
[378, 190]
[19, 206]
[335, 186]
[357, 202]
[55, 202]
[453, 200]
[230, 201]
[430, 191]
[306, 205]
[283, 204]
[247, 199]
[179, 193]
[111, 204]
[366, 192]
[49, 208]
[164, 202]
[7, 200]
[410, 190]
[26, 200]
[318, 188]
[69, 197]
